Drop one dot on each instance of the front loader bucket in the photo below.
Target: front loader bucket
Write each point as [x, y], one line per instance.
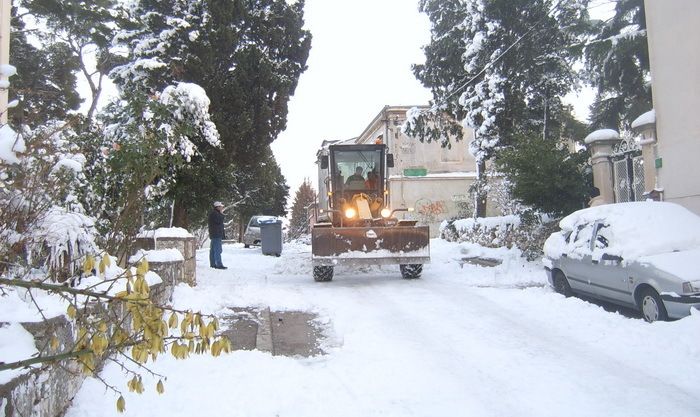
[332, 246]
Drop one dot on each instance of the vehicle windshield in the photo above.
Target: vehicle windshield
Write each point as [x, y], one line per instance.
[256, 220]
[357, 170]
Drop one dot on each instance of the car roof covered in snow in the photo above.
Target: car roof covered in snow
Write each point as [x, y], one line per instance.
[642, 228]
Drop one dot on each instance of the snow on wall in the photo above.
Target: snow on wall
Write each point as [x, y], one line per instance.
[15, 344]
[159, 255]
[165, 232]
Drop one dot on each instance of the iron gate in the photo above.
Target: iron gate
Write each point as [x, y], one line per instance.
[628, 171]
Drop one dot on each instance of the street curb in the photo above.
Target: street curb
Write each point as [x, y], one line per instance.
[263, 340]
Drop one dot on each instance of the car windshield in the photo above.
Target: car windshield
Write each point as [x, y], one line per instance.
[256, 220]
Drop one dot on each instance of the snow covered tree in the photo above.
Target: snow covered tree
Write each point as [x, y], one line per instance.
[617, 65]
[502, 68]
[42, 224]
[299, 223]
[134, 160]
[247, 55]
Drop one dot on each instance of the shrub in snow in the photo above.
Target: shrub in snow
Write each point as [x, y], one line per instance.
[526, 231]
[42, 224]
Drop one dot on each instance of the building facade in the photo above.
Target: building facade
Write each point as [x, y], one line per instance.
[433, 180]
[673, 139]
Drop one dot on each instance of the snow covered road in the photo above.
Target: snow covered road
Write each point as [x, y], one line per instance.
[458, 342]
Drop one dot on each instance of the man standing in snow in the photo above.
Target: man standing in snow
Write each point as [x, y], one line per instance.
[216, 235]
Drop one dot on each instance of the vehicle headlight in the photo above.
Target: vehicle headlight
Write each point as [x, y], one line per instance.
[350, 212]
[691, 287]
[385, 212]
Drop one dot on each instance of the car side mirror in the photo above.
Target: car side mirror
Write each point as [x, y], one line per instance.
[609, 257]
[324, 162]
[390, 160]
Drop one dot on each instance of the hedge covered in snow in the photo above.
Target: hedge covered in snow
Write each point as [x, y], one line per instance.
[526, 231]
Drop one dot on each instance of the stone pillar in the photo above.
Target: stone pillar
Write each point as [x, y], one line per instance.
[645, 125]
[600, 144]
[176, 238]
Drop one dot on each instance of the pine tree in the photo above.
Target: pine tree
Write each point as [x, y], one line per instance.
[617, 64]
[299, 223]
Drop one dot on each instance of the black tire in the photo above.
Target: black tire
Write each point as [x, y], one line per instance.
[245, 245]
[561, 284]
[411, 271]
[651, 306]
[323, 273]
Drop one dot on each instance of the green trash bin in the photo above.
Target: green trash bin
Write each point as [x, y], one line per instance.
[271, 237]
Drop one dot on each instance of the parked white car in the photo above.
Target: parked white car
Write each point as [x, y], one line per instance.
[644, 255]
[251, 237]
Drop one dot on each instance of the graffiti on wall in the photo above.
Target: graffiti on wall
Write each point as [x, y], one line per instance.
[428, 211]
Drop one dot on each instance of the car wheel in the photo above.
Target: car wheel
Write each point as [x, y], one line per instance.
[651, 306]
[411, 271]
[323, 273]
[561, 284]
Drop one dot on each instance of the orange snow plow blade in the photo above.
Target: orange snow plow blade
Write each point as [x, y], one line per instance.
[370, 245]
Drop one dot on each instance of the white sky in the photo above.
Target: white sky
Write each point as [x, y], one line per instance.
[360, 61]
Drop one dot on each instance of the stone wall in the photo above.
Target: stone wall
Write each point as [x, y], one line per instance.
[187, 247]
[47, 391]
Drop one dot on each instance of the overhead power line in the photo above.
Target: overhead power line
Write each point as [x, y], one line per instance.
[492, 62]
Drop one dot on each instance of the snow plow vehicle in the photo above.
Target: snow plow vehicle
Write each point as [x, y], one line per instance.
[355, 224]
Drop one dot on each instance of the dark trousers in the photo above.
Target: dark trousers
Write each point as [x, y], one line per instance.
[215, 252]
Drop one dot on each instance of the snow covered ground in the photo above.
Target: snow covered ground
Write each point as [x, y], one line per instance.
[460, 341]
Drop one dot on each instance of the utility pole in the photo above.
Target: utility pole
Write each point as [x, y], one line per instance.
[5, 12]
